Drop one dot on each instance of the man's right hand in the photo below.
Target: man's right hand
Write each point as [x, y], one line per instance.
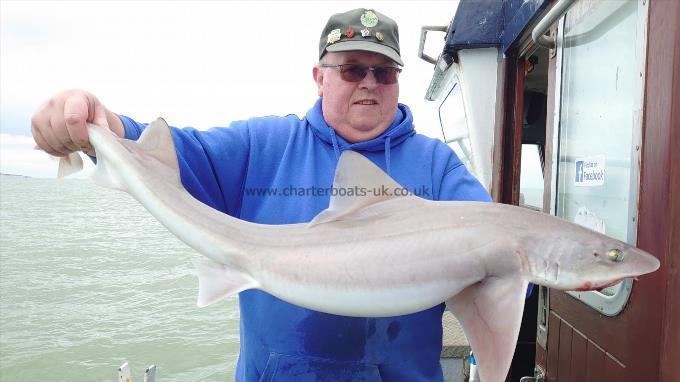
[59, 125]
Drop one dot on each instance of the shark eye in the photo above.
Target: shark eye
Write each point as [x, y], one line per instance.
[615, 255]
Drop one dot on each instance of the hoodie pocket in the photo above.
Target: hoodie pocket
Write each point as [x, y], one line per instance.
[288, 368]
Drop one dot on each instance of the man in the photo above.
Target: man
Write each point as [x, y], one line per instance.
[357, 109]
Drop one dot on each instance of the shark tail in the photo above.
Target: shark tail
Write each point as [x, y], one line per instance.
[154, 154]
[69, 164]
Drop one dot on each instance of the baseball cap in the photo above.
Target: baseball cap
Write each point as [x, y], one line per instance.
[361, 29]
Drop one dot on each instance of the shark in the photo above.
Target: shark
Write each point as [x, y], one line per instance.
[375, 255]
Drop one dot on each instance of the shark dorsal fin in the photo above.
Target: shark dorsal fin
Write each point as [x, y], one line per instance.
[156, 142]
[358, 183]
[154, 150]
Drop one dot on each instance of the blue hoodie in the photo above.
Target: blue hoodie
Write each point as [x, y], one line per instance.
[273, 170]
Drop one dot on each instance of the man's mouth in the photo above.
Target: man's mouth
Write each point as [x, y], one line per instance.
[366, 102]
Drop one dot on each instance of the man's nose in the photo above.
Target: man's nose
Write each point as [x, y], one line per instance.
[369, 81]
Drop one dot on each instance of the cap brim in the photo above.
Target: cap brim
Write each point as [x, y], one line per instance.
[366, 46]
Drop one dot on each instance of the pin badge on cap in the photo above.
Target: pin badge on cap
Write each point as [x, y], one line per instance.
[365, 32]
[369, 19]
[379, 36]
[349, 32]
[334, 36]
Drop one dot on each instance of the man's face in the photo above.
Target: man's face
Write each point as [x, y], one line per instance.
[358, 111]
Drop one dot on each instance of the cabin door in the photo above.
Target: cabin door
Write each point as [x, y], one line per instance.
[592, 177]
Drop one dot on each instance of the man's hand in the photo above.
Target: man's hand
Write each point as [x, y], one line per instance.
[59, 125]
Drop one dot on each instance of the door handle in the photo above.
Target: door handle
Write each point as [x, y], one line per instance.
[539, 376]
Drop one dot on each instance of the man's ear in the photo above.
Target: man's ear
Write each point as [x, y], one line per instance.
[318, 78]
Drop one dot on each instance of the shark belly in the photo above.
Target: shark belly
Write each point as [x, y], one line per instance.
[350, 300]
[385, 279]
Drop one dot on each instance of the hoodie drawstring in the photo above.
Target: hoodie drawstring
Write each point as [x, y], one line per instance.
[388, 146]
[336, 147]
[388, 149]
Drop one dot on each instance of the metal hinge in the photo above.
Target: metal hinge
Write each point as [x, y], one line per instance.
[538, 33]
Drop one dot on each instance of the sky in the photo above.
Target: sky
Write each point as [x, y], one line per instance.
[198, 63]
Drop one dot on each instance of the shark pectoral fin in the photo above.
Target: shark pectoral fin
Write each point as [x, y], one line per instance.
[217, 281]
[490, 313]
[358, 183]
[70, 164]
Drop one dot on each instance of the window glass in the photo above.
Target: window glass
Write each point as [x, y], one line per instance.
[597, 160]
[454, 126]
[597, 124]
[531, 178]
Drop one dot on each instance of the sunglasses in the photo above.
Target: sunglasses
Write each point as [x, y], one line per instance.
[386, 75]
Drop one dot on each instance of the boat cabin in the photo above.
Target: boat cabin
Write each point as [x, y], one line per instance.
[572, 107]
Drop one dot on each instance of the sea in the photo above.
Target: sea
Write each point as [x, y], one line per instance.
[89, 280]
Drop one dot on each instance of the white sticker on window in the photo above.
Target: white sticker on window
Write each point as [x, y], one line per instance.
[589, 171]
[588, 219]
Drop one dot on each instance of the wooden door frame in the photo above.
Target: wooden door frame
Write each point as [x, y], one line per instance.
[510, 131]
[506, 185]
[659, 223]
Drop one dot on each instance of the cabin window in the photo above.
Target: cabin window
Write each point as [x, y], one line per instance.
[531, 177]
[599, 130]
[531, 182]
[454, 125]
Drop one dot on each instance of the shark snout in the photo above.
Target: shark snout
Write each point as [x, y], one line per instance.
[613, 264]
[629, 262]
[640, 262]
